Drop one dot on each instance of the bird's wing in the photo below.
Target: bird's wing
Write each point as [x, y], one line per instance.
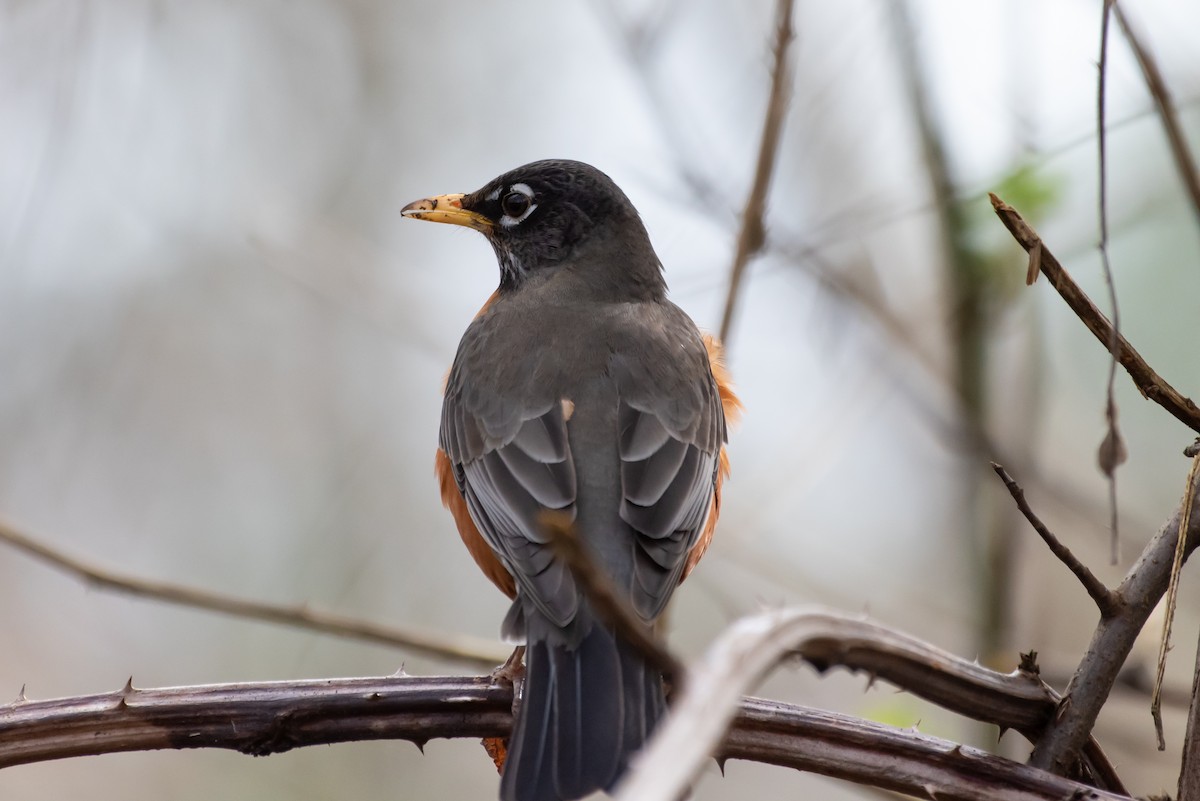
[510, 462]
[672, 430]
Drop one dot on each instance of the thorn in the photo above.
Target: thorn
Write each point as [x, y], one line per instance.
[870, 681]
[1002, 730]
[420, 744]
[374, 696]
[21, 695]
[721, 760]
[125, 693]
[399, 672]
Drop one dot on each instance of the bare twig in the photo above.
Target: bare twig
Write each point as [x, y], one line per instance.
[752, 236]
[1164, 643]
[458, 647]
[1148, 382]
[1112, 448]
[739, 659]
[1107, 602]
[599, 590]
[1112, 640]
[1184, 162]
[271, 717]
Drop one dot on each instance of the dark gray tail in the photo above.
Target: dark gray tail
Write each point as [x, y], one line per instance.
[584, 712]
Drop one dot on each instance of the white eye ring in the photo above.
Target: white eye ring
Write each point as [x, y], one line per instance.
[508, 221]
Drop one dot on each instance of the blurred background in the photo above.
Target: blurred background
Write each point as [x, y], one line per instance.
[221, 347]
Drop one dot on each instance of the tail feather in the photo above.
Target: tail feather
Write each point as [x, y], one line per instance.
[584, 712]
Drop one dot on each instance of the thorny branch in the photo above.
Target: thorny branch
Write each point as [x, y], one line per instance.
[753, 234]
[457, 647]
[271, 717]
[1148, 382]
[749, 649]
[1104, 598]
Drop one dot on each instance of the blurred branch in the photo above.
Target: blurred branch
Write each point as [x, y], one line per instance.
[753, 235]
[271, 717]
[1112, 451]
[1148, 382]
[1103, 597]
[457, 647]
[1184, 162]
[748, 650]
[1111, 643]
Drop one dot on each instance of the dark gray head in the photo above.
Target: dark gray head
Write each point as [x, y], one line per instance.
[540, 215]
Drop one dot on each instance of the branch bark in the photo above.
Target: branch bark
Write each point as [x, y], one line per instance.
[1100, 594]
[272, 717]
[750, 648]
[1139, 593]
[1148, 382]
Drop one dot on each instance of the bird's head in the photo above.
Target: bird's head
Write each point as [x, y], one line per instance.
[540, 215]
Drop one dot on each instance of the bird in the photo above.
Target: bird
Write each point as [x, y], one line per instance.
[579, 389]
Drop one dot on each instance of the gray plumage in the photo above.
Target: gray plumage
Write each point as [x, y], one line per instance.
[581, 316]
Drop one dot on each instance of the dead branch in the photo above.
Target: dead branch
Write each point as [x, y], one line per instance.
[753, 234]
[750, 648]
[1148, 382]
[740, 658]
[457, 647]
[1058, 748]
[1185, 164]
[271, 717]
[1104, 598]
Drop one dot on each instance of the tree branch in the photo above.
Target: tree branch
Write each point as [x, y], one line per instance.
[1148, 382]
[1139, 593]
[750, 648]
[271, 717]
[461, 648]
[1184, 162]
[753, 235]
[1105, 599]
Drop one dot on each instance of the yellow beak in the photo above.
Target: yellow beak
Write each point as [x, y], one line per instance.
[447, 209]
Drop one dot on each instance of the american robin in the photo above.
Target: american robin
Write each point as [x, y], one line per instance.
[578, 387]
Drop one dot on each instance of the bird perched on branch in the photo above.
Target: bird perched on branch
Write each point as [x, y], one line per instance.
[578, 388]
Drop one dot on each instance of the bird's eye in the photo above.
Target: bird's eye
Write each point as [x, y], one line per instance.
[515, 204]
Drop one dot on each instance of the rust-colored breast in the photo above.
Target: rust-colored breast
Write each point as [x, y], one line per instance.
[477, 546]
